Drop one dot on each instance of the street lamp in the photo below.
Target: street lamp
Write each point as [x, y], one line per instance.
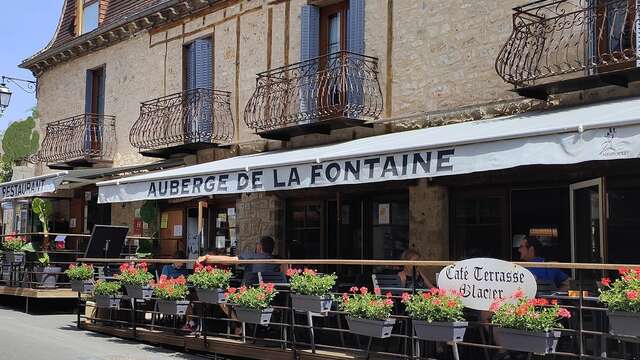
[5, 93]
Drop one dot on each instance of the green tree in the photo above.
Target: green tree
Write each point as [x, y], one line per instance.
[19, 141]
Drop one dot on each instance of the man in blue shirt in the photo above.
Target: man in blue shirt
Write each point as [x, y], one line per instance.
[530, 248]
[174, 270]
[264, 250]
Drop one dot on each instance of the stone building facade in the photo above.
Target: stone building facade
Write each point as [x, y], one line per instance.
[436, 66]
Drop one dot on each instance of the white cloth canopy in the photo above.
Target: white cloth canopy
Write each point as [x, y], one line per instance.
[602, 131]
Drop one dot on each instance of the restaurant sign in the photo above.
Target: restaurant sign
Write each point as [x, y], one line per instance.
[29, 187]
[480, 281]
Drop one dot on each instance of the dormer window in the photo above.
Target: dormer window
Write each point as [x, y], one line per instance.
[89, 16]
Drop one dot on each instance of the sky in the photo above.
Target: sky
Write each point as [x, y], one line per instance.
[27, 27]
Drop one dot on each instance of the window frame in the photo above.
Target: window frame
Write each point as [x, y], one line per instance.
[80, 10]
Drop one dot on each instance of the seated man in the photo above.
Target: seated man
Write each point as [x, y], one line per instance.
[263, 250]
[176, 269]
[530, 248]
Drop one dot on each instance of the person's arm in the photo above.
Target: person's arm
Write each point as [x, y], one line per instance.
[216, 258]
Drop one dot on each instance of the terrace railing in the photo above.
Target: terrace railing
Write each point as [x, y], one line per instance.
[293, 334]
[551, 38]
[339, 85]
[188, 117]
[84, 137]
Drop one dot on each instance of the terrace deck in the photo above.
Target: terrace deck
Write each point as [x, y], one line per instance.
[217, 345]
[38, 293]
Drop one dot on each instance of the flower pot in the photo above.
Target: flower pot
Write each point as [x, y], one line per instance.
[14, 256]
[538, 342]
[374, 328]
[173, 307]
[624, 323]
[139, 292]
[47, 277]
[251, 316]
[82, 286]
[108, 301]
[440, 331]
[311, 303]
[211, 296]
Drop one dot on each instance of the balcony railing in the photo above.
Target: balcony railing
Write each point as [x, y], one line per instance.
[341, 85]
[558, 37]
[81, 138]
[197, 116]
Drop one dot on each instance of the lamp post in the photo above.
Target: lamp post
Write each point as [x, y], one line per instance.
[5, 93]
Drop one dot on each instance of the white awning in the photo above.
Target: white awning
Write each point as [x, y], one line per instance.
[603, 131]
[44, 184]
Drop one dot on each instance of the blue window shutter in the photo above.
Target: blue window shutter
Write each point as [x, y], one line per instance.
[101, 89]
[309, 32]
[355, 26]
[190, 68]
[355, 44]
[309, 49]
[88, 90]
[203, 63]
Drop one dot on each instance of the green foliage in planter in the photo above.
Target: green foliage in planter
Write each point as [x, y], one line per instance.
[208, 277]
[171, 289]
[308, 282]
[254, 298]
[44, 209]
[434, 305]
[365, 305]
[110, 288]
[44, 260]
[521, 313]
[14, 243]
[624, 293]
[137, 275]
[82, 272]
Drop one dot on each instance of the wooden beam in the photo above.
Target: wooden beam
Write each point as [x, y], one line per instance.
[287, 24]
[237, 87]
[388, 106]
[269, 36]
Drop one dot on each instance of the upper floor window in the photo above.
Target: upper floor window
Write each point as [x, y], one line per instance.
[90, 15]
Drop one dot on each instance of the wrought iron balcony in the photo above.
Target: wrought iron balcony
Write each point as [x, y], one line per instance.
[183, 123]
[567, 45]
[81, 140]
[329, 92]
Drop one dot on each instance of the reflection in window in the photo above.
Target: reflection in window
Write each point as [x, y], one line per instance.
[89, 16]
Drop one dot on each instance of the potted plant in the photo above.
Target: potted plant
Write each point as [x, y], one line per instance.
[622, 298]
[210, 283]
[108, 294]
[310, 291]
[368, 313]
[253, 304]
[136, 280]
[436, 315]
[172, 295]
[527, 324]
[81, 277]
[46, 275]
[13, 247]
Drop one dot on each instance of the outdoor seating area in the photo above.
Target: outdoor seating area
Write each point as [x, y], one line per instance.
[290, 330]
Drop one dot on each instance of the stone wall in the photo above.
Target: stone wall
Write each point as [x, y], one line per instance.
[429, 220]
[259, 214]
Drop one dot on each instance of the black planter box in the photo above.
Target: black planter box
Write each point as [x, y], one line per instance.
[14, 256]
[311, 303]
[528, 341]
[624, 323]
[261, 317]
[108, 301]
[172, 307]
[374, 328]
[440, 331]
[82, 286]
[139, 292]
[211, 296]
[47, 277]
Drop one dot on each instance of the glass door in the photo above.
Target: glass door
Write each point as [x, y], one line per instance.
[587, 229]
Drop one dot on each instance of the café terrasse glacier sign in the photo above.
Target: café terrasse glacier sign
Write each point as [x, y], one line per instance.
[480, 281]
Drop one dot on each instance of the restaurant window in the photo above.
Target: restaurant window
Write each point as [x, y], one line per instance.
[623, 221]
[480, 225]
[389, 229]
[305, 225]
[224, 230]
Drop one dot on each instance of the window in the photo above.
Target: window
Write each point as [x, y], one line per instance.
[90, 15]
[333, 23]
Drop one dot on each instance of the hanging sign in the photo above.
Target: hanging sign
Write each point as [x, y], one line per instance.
[480, 281]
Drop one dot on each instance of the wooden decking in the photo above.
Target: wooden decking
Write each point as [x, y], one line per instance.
[38, 293]
[214, 345]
